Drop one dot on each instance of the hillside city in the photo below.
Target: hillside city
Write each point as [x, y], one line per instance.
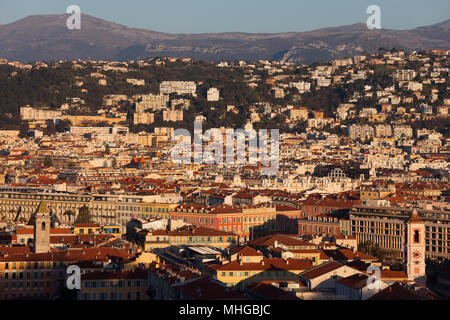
[88, 179]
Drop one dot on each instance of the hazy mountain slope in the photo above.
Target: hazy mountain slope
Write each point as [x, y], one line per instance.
[45, 37]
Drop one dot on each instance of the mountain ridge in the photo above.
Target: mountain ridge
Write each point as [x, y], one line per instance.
[45, 37]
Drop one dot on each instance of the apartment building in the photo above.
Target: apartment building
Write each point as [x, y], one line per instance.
[143, 118]
[247, 222]
[151, 102]
[240, 273]
[404, 75]
[383, 130]
[35, 114]
[173, 115]
[403, 132]
[25, 274]
[190, 235]
[112, 100]
[360, 131]
[18, 204]
[386, 226]
[323, 225]
[213, 94]
[302, 86]
[116, 285]
[298, 114]
[178, 87]
[136, 82]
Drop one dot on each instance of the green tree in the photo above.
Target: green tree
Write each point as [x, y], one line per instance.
[84, 215]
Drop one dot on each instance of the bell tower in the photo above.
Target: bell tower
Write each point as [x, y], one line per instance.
[42, 229]
[415, 248]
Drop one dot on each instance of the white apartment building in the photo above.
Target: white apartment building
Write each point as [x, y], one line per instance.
[30, 113]
[178, 87]
[151, 102]
[342, 62]
[414, 86]
[136, 82]
[366, 112]
[164, 131]
[405, 131]
[383, 130]
[173, 115]
[358, 131]
[323, 82]
[213, 94]
[98, 130]
[302, 86]
[112, 100]
[143, 118]
[404, 75]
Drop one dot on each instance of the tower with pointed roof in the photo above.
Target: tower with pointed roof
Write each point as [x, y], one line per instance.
[415, 248]
[42, 229]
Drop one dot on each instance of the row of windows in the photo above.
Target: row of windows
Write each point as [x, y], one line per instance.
[437, 249]
[229, 220]
[112, 284]
[20, 295]
[230, 228]
[110, 296]
[45, 197]
[36, 275]
[22, 284]
[438, 229]
[32, 265]
[386, 225]
[318, 229]
[437, 236]
[249, 273]
[154, 209]
[379, 231]
[129, 208]
[200, 239]
[439, 243]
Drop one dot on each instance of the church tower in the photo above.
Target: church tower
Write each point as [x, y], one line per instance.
[415, 248]
[42, 229]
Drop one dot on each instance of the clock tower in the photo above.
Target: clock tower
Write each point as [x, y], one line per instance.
[415, 248]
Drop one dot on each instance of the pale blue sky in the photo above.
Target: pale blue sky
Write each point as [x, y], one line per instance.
[195, 16]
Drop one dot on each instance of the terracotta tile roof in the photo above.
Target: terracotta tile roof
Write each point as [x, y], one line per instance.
[246, 251]
[269, 241]
[267, 264]
[72, 254]
[358, 265]
[86, 225]
[106, 275]
[198, 231]
[265, 290]
[52, 231]
[322, 269]
[399, 291]
[356, 281]
[206, 289]
[392, 274]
